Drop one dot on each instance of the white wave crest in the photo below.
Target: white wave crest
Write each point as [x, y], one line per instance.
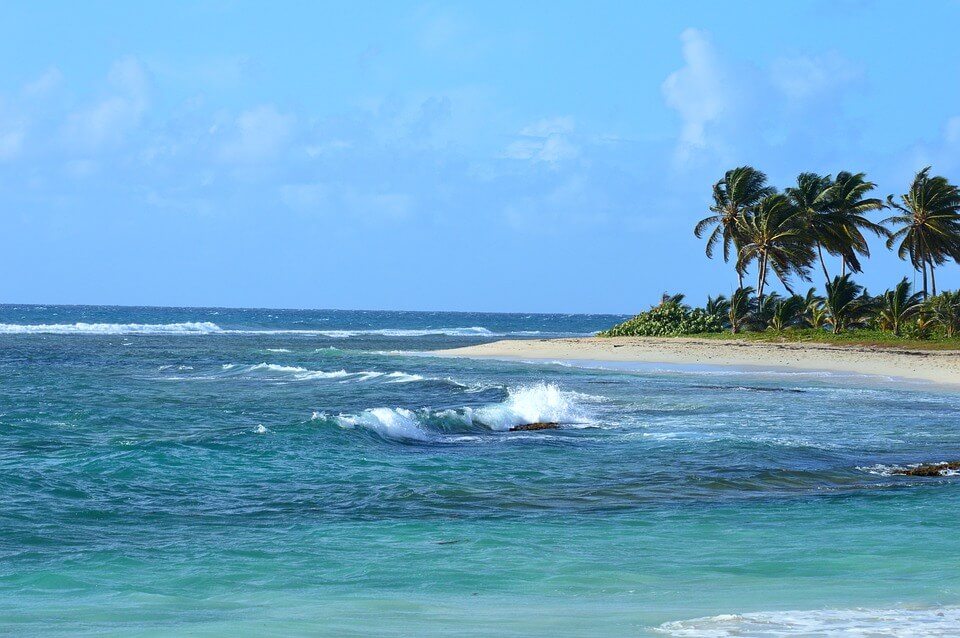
[893, 470]
[473, 331]
[527, 404]
[403, 377]
[185, 328]
[392, 423]
[300, 374]
[937, 622]
[533, 404]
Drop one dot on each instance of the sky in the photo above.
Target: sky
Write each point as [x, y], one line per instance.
[495, 156]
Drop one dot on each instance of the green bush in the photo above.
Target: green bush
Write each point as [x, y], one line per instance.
[669, 319]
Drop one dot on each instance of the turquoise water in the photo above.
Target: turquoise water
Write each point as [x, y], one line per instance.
[225, 472]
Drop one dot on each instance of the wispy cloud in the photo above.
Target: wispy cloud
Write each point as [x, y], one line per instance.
[257, 135]
[546, 140]
[107, 121]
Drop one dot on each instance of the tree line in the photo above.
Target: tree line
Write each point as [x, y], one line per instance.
[790, 235]
[787, 233]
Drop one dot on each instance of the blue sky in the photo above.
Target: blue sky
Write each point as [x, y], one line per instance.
[439, 156]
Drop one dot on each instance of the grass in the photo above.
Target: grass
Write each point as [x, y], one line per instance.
[869, 338]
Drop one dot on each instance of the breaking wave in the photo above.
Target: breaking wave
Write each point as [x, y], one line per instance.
[207, 327]
[937, 622]
[541, 402]
[186, 328]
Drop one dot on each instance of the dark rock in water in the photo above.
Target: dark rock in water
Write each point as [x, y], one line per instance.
[933, 469]
[535, 426]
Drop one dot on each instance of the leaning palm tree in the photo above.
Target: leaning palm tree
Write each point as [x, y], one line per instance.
[741, 189]
[845, 303]
[847, 207]
[929, 224]
[773, 235]
[811, 196]
[898, 307]
[740, 309]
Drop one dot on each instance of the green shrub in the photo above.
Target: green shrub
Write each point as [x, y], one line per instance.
[669, 319]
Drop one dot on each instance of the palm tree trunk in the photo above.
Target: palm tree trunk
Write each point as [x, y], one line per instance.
[843, 266]
[924, 264]
[761, 277]
[739, 278]
[933, 280]
[823, 265]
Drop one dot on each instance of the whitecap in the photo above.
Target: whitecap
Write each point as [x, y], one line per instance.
[403, 377]
[184, 328]
[524, 404]
[392, 423]
[540, 402]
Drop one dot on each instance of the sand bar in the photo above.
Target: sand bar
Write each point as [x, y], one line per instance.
[936, 366]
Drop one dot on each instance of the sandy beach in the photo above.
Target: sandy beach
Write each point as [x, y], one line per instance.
[941, 367]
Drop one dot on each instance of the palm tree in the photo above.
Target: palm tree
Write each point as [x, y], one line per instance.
[898, 307]
[811, 196]
[929, 224]
[786, 312]
[741, 189]
[763, 314]
[773, 235]
[848, 204]
[742, 304]
[945, 311]
[814, 312]
[845, 302]
[718, 307]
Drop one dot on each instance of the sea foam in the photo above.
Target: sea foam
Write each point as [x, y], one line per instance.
[937, 622]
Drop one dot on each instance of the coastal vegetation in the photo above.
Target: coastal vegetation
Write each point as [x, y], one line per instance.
[788, 236]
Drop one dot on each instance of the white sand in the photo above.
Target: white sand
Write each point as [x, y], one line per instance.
[937, 366]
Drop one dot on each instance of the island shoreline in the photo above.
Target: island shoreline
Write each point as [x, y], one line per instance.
[934, 366]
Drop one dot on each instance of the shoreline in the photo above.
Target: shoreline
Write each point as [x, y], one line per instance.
[940, 367]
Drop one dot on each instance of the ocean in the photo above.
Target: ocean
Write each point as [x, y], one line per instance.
[225, 472]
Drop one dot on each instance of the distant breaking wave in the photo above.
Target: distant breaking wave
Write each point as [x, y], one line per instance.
[207, 327]
[186, 328]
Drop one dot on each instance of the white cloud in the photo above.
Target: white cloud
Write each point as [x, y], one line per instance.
[699, 91]
[305, 198]
[11, 142]
[546, 140]
[258, 134]
[344, 201]
[549, 126]
[807, 77]
[952, 133]
[734, 111]
[326, 148]
[108, 121]
[45, 84]
[439, 32]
